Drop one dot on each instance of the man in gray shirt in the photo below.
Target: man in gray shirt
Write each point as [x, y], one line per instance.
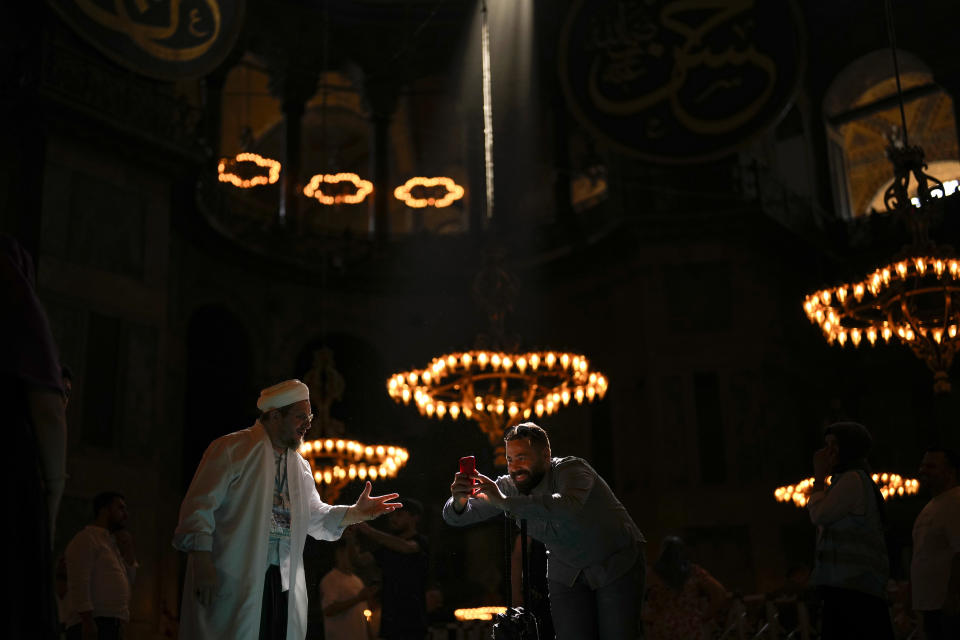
[595, 566]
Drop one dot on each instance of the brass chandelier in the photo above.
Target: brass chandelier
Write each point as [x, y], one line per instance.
[891, 485]
[496, 384]
[335, 460]
[338, 462]
[913, 298]
[496, 388]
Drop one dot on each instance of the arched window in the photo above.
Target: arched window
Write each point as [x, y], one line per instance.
[862, 117]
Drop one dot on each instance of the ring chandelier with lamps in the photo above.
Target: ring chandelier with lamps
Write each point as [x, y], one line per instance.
[335, 460]
[891, 485]
[498, 386]
[230, 170]
[452, 192]
[314, 188]
[915, 297]
[495, 388]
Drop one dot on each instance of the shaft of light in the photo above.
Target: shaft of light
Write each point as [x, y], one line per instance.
[487, 111]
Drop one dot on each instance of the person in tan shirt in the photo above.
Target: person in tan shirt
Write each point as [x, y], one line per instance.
[101, 566]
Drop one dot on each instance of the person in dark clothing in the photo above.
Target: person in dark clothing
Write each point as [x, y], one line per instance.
[596, 569]
[31, 393]
[404, 562]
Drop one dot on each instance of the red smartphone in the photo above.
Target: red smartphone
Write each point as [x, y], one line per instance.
[468, 465]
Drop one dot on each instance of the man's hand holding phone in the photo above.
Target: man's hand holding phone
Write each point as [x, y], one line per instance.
[488, 490]
[463, 483]
[469, 483]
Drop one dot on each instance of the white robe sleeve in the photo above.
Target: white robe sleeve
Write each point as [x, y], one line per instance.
[207, 491]
[325, 519]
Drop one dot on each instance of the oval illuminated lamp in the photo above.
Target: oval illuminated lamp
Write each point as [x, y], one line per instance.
[891, 485]
[452, 192]
[314, 188]
[229, 170]
[478, 613]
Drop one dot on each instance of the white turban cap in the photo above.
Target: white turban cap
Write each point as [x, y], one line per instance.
[282, 394]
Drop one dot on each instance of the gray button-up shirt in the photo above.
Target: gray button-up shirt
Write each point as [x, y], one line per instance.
[573, 512]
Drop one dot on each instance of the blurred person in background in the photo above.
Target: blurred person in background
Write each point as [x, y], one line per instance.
[851, 565]
[101, 566]
[31, 394]
[683, 598]
[935, 568]
[345, 597]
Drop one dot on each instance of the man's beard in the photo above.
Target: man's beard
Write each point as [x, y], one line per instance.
[532, 479]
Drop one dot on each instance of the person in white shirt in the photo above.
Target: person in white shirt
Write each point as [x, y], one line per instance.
[101, 566]
[851, 564]
[244, 522]
[345, 598]
[935, 568]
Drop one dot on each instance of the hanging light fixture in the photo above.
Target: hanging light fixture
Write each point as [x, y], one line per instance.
[915, 297]
[451, 192]
[336, 188]
[335, 460]
[496, 388]
[500, 385]
[891, 485]
[240, 172]
[315, 188]
[246, 169]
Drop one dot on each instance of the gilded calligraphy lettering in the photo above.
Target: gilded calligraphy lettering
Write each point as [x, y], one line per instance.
[149, 37]
[622, 65]
[195, 19]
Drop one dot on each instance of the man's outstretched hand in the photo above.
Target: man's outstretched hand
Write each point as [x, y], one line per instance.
[369, 507]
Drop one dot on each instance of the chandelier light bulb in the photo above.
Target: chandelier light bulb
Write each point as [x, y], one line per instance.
[890, 484]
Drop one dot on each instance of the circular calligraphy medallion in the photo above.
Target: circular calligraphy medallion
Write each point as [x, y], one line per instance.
[162, 39]
[678, 80]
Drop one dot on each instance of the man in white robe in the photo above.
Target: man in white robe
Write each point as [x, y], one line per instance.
[244, 522]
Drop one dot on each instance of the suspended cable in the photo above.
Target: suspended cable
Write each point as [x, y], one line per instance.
[891, 34]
